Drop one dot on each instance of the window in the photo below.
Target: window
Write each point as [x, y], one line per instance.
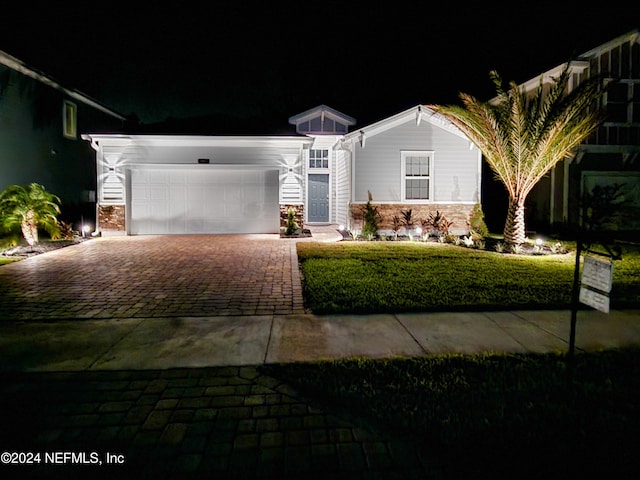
[69, 120]
[416, 175]
[318, 158]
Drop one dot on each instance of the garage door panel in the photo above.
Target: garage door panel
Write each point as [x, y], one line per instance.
[197, 201]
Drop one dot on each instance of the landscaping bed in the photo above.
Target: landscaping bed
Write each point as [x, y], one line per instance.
[18, 252]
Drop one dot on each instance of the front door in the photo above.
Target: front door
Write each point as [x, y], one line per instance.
[318, 196]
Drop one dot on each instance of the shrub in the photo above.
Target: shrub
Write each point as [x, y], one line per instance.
[407, 221]
[66, 230]
[396, 224]
[292, 224]
[438, 224]
[476, 222]
[371, 218]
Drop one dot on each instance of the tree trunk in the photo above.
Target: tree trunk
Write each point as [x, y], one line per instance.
[514, 232]
[30, 229]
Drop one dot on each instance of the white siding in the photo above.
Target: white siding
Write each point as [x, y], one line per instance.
[343, 187]
[455, 173]
[119, 154]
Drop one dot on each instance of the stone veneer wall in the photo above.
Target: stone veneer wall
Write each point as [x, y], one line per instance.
[458, 214]
[284, 214]
[111, 218]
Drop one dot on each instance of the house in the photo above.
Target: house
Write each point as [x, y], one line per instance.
[40, 142]
[611, 156]
[157, 184]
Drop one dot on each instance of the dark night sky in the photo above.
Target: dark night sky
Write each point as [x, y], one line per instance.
[271, 60]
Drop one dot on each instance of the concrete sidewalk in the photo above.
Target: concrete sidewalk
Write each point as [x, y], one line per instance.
[177, 398]
[193, 342]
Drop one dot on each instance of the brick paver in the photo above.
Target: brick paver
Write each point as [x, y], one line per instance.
[231, 422]
[156, 276]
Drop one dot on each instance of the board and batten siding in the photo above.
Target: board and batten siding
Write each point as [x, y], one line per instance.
[455, 173]
[117, 155]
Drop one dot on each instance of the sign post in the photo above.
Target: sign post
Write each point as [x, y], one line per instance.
[595, 288]
[597, 279]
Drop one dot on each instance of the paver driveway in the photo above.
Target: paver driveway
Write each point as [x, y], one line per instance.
[155, 276]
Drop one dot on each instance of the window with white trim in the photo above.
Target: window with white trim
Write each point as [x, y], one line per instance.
[69, 120]
[318, 158]
[416, 175]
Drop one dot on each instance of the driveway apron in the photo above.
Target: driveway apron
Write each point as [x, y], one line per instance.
[156, 276]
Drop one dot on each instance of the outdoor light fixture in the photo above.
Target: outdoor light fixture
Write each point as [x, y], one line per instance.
[539, 242]
[341, 227]
[418, 230]
[85, 229]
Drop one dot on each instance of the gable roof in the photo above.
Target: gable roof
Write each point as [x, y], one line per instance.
[322, 110]
[419, 113]
[19, 66]
[579, 64]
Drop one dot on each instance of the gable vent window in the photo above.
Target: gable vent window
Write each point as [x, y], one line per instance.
[69, 120]
[318, 158]
[416, 175]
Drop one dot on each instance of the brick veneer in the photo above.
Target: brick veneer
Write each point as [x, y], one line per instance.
[111, 218]
[284, 214]
[458, 214]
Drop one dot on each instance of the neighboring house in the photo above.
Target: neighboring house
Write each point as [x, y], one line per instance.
[611, 155]
[153, 184]
[40, 126]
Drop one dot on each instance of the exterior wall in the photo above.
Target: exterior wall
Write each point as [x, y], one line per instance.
[459, 214]
[455, 175]
[554, 202]
[325, 142]
[342, 188]
[111, 219]
[33, 147]
[118, 155]
[455, 178]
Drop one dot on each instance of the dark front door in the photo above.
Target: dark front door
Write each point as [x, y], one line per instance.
[318, 193]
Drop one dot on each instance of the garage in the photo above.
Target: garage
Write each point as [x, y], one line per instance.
[203, 200]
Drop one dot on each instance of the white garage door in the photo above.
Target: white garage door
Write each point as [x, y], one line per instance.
[204, 201]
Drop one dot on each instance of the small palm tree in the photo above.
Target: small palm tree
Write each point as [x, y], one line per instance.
[30, 207]
[524, 134]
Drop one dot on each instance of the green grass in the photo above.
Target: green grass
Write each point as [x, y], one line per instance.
[376, 277]
[6, 260]
[487, 416]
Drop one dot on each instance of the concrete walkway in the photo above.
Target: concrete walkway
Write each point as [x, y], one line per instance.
[195, 342]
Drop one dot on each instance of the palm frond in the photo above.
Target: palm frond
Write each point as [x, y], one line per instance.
[523, 134]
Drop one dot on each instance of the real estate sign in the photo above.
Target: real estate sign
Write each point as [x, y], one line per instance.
[597, 280]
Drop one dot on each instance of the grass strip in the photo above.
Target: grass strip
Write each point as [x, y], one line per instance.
[488, 416]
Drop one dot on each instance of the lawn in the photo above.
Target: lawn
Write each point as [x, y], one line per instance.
[5, 260]
[496, 415]
[376, 277]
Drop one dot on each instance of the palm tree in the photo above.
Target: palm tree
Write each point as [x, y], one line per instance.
[30, 207]
[522, 135]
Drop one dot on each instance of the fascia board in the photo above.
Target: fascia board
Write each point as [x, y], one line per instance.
[581, 63]
[426, 114]
[197, 141]
[22, 68]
